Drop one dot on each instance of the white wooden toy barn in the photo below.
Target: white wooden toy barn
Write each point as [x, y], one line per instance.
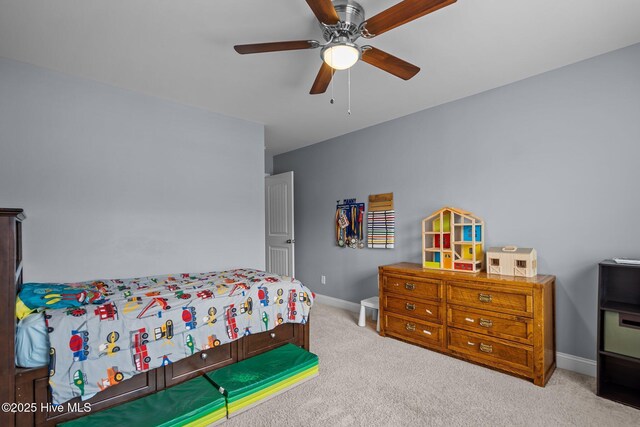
[512, 261]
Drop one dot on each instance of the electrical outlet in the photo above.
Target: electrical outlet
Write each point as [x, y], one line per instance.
[323, 280]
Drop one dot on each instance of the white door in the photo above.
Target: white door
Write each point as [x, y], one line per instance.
[279, 224]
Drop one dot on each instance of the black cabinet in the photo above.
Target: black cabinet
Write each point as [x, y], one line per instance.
[618, 332]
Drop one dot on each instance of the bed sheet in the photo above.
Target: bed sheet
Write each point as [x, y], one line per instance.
[32, 342]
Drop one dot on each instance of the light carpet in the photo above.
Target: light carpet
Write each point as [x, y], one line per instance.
[368, 380]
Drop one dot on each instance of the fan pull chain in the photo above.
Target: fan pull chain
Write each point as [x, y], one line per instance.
[349, 91]
[332, 75]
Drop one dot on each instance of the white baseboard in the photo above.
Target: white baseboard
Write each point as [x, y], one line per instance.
[563, 360]
[576, 364]
[337, 302]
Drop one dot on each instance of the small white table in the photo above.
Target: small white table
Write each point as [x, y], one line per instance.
[374, 303]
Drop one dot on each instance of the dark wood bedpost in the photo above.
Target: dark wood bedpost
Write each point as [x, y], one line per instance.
[10, 279]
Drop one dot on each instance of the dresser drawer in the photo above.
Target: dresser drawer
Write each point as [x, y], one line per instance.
[413, 287]
[411, 330]
[491, 323]
[491, 350]
[491, 298]
[429, 311]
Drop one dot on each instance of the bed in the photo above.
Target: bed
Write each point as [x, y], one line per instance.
[124, 339]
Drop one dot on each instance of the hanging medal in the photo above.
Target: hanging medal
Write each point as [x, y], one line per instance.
[342, 220]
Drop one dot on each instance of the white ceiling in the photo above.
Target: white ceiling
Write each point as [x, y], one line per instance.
[183, 50]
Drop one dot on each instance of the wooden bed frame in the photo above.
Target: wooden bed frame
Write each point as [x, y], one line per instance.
[29, 390]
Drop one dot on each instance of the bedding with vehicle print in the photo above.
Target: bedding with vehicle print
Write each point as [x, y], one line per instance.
[144, 323]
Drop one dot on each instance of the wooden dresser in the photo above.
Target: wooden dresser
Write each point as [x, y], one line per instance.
[506, 323]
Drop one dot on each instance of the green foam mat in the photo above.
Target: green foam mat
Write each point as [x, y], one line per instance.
[260, 396]
[251, 375]
[275, 380]
[192, 403]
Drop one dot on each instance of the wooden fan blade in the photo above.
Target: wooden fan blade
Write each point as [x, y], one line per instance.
[324, 11]
[275, 46]
[323, 79]
[389, 63]
[401, 13]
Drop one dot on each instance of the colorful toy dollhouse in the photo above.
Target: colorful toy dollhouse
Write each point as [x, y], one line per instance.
[453, 239]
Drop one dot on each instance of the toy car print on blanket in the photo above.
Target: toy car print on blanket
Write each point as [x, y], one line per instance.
[145, 323]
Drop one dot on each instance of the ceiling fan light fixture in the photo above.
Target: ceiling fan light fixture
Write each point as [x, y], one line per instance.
[341, 56]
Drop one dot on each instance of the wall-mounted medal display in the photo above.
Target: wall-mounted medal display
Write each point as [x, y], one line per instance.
[349, 224]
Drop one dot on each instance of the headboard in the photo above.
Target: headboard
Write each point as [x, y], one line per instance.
[10, 281]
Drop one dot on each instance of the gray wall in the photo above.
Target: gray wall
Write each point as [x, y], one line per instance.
[268, 163]
[117, 184]
[550, 162]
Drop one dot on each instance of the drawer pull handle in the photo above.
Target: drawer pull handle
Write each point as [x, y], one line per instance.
[469, 319]
[410, 306]
[484, 297]
[273, 334]
[411, 327]
[426, 332]
[428, 311]
[203, 356]
[471, 343]
[409, 286]
[486, 348]
[486, 323]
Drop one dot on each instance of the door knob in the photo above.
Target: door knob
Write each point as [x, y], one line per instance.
[291, 241]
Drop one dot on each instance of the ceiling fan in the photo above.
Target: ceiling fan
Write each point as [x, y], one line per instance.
[342, 23]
